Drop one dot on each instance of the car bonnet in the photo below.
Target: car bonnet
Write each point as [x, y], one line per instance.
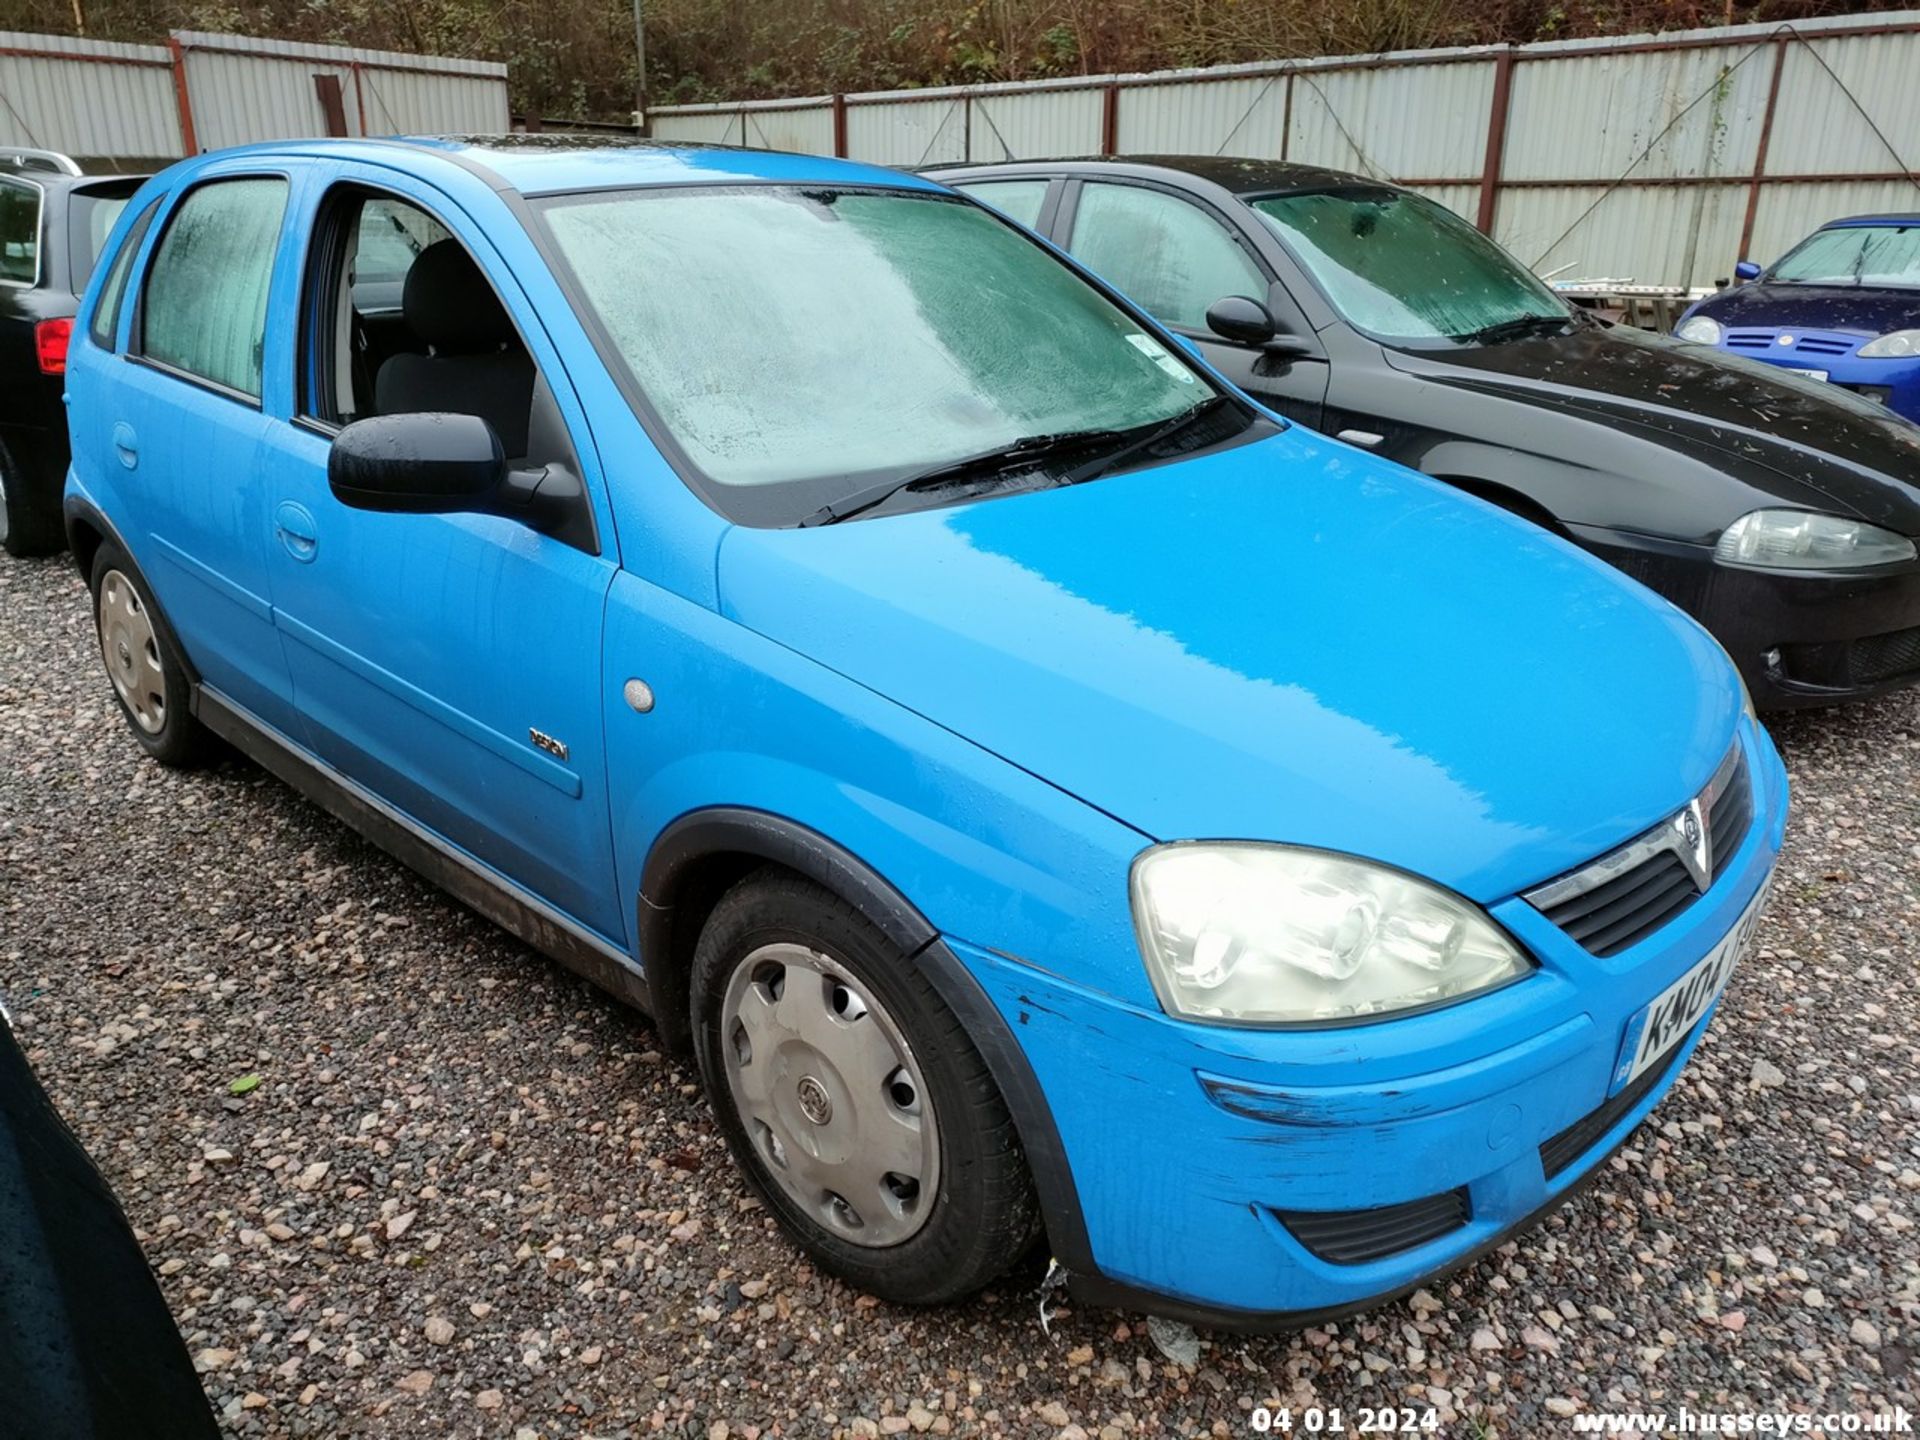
[1861, 457]
[1287, 641]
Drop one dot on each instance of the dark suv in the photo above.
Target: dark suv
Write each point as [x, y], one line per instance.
[55, 213]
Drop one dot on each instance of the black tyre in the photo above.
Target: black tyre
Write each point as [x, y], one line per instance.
[29, 511]
[853, 1098]
[148, 676]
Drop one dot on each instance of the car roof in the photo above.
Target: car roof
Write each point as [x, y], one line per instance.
[1239, 175]
[1892, 219]
[555, 164]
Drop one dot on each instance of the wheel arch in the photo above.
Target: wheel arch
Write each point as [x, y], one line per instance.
[1514, 502]
[87, 531]
[702, 854]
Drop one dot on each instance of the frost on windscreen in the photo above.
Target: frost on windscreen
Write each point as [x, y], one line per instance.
[785, 334]
[1402, 267]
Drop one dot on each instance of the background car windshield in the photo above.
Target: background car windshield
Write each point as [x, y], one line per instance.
[1854, 255]
[1400, 267]
[801, 344]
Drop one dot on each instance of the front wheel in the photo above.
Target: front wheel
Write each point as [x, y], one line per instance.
[853, 1098]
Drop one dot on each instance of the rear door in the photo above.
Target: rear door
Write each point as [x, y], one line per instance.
[180, 424]
[1174, 256]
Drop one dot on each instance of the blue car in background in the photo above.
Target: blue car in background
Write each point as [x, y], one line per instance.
[1045, 793]
[1842, 306]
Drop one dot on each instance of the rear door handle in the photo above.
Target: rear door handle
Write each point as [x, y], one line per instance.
[299, 536]
[126, 445]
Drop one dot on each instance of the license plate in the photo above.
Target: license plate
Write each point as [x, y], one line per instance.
[1806, 374]
[1660, 1024]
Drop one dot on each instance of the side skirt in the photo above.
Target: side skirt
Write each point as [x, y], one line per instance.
[512, 909]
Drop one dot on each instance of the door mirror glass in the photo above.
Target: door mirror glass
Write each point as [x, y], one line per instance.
[1746, 270]
[423, 464]
[1241, 320]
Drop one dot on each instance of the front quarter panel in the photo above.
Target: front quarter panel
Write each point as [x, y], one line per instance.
[983, 850]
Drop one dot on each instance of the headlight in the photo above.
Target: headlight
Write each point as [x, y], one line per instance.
[1256, 934]
[1894, 345]
[1700, 330]
[1806, 540]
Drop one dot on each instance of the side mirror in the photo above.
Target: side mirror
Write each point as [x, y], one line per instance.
[1243, 321]
[1248, 322]
[1746, 270]
[435, 464]
[417, 464]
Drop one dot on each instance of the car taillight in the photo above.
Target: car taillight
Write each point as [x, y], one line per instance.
[50, 339]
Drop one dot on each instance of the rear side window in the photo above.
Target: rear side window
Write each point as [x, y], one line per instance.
[204, 309]
[19, 233]
[91, 216]
[1018, 200]
[105, 328]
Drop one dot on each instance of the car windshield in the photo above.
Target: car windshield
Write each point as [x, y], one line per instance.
[1886, 255]
[1403, 268]
[801, 345]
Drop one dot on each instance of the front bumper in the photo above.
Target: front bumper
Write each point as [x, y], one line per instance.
[1893, 383]
[1800, 638]
[1205, 1160]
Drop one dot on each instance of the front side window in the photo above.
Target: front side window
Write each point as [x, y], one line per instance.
[799, 344]
[19, 233]
[204, 308]
[105, 327]
[1018, 200]
[1882, 255]
[1169, 255]
[1402, 268]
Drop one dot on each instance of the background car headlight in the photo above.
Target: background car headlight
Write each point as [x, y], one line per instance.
[1700, 330]
[1258, 934]
[1807, 540]
[1894, 345]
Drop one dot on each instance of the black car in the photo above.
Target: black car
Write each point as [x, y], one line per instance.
[1779, 512]
[87, 1348]
[55, 213]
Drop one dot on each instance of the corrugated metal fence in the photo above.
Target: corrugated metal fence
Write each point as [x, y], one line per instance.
[200, 91]
[1655, 158]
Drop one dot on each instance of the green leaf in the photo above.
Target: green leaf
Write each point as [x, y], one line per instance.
[244, 1084]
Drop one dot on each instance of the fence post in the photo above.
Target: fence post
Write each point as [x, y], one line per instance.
[1760, 150]
[840, 126]
[1110, 119]
[1496, 139]
[188, 140]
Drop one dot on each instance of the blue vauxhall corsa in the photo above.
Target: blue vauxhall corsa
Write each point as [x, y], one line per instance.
[1045, 793]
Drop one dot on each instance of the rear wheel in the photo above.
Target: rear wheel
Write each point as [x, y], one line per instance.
[853, 1097]
[148, 676]
[29, 513]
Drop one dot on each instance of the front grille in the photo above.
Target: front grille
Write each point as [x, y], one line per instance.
[1615, 902]
[1581, 1136]
[1352, 1237]
[1881, 657]
[1769, 340]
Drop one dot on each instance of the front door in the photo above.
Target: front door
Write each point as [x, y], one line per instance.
[448, 663]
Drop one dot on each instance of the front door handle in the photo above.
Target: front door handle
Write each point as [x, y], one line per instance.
[300, 537]
[126, 445]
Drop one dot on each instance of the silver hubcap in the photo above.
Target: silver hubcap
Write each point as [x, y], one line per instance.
[830, 1095]
[131, 652]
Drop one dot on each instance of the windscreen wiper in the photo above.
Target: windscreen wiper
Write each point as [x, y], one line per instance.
[1516, 328]
[1160, 433]
[1013, 459]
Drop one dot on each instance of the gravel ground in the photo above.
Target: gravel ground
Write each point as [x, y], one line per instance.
[469, 1197]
